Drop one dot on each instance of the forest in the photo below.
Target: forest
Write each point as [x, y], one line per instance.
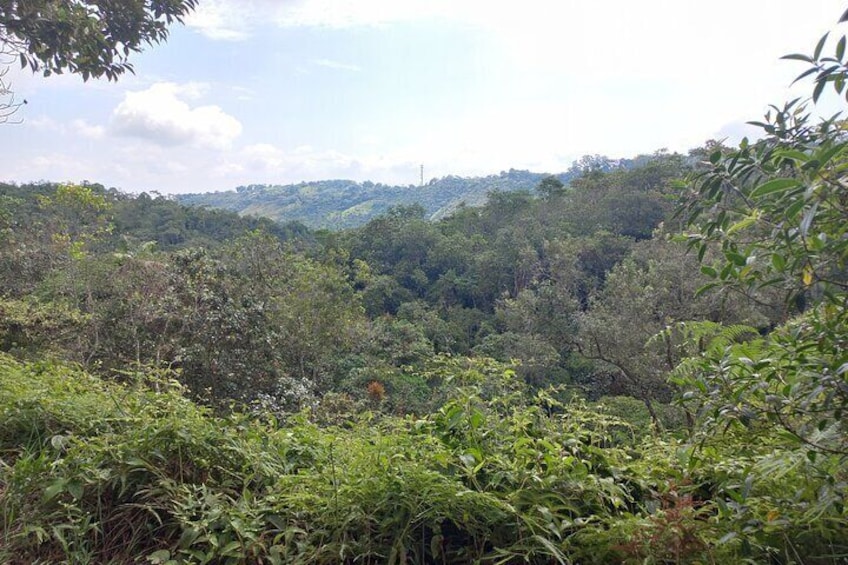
[647, 363]
[341, 204]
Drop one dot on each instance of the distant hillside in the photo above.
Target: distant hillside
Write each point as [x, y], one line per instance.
[339, 204]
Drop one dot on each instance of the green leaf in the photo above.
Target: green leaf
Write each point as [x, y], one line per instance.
[736, 258]
[817, 91]
[75, 489]
[553, 550]
[829, 153]
[715, 156]
[809, 216]
[820, 46]
[798, 57]
[774, 185]
[744, 223]
[189, 536]
[159, 557]
[840, 48]
[794, 208]
[477, 419]
[232, 549]
[55, 489]
[707, 287]
[794, 154]
[805, 74]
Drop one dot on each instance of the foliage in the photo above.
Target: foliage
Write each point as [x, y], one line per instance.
[91, 38]
[82, 284]
[29, 327]
[103, 472]
[382, 394]
[627, 201]
[340, 204]
[503, 280]
[644, 294]
[776, 209]
[771, 215]
[639, 424]
[194, 488]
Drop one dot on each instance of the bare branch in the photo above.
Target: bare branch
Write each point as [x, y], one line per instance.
[8, 104]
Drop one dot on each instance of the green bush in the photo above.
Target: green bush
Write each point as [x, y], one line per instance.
[97, 472]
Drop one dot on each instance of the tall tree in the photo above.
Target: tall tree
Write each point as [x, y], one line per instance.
[651, 290]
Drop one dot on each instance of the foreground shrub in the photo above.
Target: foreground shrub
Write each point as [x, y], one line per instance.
[96, 472]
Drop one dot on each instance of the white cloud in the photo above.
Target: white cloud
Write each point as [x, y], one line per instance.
[162, 114]
[234, 19]
[352, 13]
[77, 127]
[303, 161]
[45, 123]
[85, 129]
[338, 65]
[263, 156]
[220, 19]
[594, 40]
[55, 166]
[228, 169]
[242, 94]
[264, 162]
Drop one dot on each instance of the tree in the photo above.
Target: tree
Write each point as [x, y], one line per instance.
[92, 38]
[775, 210]
[551, 187]
[630, 202]
[649, 291]
[311, 308]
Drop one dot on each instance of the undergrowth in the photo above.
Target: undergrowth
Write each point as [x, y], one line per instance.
[97, 472]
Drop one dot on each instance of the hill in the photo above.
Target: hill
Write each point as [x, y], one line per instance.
[340, 204]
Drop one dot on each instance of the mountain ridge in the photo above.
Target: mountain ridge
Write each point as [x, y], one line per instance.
[340, 204]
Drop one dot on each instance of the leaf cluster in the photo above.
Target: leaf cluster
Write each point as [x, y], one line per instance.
[92, 38]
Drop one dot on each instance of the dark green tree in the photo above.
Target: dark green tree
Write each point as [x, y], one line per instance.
[551, 187]
[92, 38]
[649, 291]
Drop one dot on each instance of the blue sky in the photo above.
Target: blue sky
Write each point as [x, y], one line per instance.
[279, 91]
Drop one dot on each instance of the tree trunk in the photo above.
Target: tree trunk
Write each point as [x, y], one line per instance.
[655, 420]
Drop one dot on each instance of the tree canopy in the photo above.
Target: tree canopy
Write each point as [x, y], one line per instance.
[92, 38]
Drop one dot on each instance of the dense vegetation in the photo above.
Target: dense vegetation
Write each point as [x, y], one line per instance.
[646, 365]
[339, 204]
[101, 472]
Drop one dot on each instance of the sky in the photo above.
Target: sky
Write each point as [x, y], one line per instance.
[284, 91]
